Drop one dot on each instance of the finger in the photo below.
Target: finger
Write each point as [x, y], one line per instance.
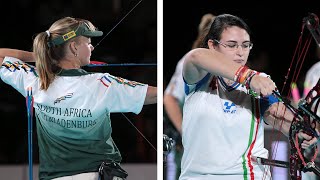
[304, 146]
[313, 141]
[271, 86]
[309, 144]
[258, 91]
[303, 135]
[274, 87]
[263, 92]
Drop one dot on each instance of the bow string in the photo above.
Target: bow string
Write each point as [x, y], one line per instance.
[305, 115]
[99, 63]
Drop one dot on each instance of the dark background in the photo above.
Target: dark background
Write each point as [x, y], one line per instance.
[132, 41]
[275, 26]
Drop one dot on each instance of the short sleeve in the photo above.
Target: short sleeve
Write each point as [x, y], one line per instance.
[123, 95]
[18, 74]
[176, 84]
[312, 76]
[190, 88]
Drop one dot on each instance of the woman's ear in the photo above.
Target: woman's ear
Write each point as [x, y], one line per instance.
[211, 44]
[73, 47]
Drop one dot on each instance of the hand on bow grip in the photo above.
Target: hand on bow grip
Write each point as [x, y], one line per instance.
[308, 141]
[262, 85]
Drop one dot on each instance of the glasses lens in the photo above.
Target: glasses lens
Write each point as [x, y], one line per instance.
[246, 45]
[234, 45]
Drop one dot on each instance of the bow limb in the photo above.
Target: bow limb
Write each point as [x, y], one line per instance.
[302, 120]
[306, 118]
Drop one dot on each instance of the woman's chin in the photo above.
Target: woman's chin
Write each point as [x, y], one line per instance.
[85, 63]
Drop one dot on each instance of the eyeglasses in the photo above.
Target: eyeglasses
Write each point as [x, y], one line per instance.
[232, 46]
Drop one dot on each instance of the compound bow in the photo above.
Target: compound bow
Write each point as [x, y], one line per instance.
[305, 117]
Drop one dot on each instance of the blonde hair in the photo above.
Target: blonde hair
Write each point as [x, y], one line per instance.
[47, 58]
[203, 29]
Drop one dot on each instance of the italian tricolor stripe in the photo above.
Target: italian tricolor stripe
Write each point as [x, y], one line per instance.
[246, 157]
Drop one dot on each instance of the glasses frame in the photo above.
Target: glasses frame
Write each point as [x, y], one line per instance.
[236, 47]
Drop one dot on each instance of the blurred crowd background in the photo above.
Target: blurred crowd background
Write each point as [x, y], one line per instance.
[276, 27]
[134, 40]
[275, 31]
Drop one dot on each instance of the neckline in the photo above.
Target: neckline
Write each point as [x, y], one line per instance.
[72, 72]
[233, 86]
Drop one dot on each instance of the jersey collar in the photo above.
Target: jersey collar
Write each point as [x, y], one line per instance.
[72, 72]
[234, 86]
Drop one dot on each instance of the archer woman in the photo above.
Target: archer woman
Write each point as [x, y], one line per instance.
[225, 107]
[72, 106]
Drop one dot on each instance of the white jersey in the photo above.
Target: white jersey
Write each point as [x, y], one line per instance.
[313, 75]
[175, 88]
[176, 84]
[73, 115]
[222, 129]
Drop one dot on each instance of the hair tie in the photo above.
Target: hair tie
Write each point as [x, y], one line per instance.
[48, 33]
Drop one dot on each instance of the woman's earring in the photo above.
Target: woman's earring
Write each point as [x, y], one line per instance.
[75, 54]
